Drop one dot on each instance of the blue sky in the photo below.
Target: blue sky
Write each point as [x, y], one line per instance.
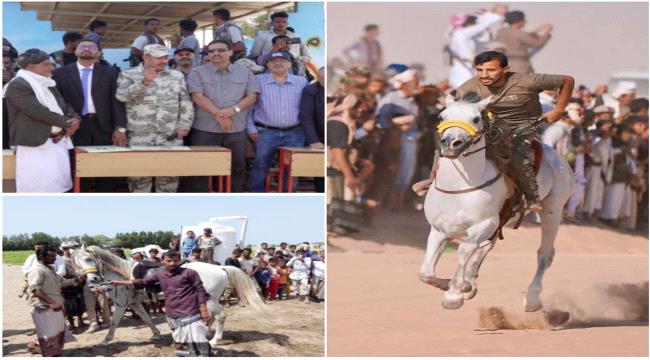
[270, 218]
[26, 32]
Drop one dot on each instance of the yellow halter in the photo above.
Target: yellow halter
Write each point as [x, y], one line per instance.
[457, 123]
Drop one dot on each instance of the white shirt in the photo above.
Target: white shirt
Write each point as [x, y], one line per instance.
[318, 269]
[89, 96]
[234, 32]
[139, 42]
[558, 136]
[264, 44]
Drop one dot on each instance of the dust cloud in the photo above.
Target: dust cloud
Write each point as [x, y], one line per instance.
[604, 305]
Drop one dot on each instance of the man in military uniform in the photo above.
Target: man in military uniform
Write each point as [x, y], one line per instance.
[159, 109]
[227, 31]
[515, 103]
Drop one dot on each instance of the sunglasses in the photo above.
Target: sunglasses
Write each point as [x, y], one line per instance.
[89, 47]
[220, 50]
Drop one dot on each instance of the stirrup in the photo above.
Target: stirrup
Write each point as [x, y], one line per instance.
[535, 207]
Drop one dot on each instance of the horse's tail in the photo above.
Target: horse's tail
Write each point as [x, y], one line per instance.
[245, 288]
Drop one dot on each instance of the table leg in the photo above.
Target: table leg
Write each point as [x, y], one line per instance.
[77, 184]
[210, 182]
[281, 167]
[228, 184]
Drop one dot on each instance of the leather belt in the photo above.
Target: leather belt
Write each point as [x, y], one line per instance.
[89, 116]
[263, 126]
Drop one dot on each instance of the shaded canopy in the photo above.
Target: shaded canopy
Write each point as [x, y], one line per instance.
[126, 19]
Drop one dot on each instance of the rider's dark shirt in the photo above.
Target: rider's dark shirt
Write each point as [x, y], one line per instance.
[517, 102]
[183, 291]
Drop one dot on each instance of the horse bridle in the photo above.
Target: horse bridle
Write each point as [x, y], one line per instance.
[475, 135]
[98, 269]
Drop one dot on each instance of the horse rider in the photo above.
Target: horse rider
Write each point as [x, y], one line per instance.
[516, 107]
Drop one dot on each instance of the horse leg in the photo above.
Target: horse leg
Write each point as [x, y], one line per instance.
[435, 246]
[475, 264]
[476, 234]
[220, 318]
[139, 309]
[551, 219]
[115, 320]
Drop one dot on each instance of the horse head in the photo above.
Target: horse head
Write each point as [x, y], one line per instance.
[86, 260]
[461, 125]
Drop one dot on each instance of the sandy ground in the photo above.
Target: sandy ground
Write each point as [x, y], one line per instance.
[293, 329]
[378, 307]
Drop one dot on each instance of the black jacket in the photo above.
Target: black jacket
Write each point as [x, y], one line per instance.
[312, 113]
[110, 112]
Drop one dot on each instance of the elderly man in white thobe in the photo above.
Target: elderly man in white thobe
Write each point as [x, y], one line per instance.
[600, 171]
[40, 126]
[558, 136]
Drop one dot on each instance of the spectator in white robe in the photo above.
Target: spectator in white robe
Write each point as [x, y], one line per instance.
[465, 30]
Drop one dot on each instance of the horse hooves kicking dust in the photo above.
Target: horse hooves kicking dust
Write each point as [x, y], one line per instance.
[496, 318]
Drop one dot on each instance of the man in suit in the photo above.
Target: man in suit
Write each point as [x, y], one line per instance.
[39, 124]
[90, 88]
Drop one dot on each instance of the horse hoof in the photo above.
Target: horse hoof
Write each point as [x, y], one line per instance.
[213, 344]
[533, 306]
[155, 337]
[442, 284]
[452, 304]
[103, 343]
[470, 295]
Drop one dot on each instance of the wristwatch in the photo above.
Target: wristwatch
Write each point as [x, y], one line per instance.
[237, 109]
[122, 130]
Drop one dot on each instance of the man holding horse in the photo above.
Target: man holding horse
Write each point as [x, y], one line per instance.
[185, 306]
[515, 104]
[44, 288]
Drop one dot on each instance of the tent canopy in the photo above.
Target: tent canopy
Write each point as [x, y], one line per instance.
[126, 19]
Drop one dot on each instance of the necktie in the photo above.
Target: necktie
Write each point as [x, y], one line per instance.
[84, 85]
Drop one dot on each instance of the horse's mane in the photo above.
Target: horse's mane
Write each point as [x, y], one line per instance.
[114, 263]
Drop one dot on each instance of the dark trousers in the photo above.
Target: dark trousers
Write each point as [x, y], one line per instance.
[236, 142]
[524, 167]
[90, 133]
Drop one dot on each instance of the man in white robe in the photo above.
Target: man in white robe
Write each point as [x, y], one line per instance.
[40, 124]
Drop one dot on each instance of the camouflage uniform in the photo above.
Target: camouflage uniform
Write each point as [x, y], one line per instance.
[153, 113]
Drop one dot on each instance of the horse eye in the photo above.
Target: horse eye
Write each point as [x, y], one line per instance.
[476, 120]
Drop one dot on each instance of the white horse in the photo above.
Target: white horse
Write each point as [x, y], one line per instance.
[466, 198]
[101, 267]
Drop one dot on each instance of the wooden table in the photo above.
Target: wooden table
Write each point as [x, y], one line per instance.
[8, 165]
[300, 162]
[198, 161]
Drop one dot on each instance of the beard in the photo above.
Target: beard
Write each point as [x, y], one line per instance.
[83, 56]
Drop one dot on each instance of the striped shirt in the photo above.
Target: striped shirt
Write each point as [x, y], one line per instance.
[278, 103]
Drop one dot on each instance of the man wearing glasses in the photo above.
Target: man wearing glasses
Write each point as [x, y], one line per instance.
[90, 88]
[223, 92]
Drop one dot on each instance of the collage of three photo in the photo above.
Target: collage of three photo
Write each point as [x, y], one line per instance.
[325, 179]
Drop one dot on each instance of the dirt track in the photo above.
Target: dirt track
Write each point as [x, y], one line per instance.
[378, 307]
[298, 330]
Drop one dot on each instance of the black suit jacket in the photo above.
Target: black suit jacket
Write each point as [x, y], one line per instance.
[110, 112]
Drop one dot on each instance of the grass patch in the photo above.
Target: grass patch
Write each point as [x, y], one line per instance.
[16, 257]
